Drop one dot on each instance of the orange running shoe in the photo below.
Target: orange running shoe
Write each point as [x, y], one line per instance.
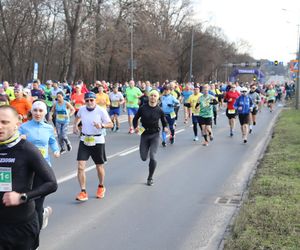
[100, 192]
[82, 196]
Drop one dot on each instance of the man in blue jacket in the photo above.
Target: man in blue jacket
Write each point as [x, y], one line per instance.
[244, 106]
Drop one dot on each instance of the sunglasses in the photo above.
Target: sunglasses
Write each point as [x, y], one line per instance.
[89, 100]
[38, 110]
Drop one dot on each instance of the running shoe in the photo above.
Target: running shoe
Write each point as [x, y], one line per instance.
[250, 130]
[164, 144]
[254, 123]
[211, 137]
[172, 139]
[46, 213]
[231, 134]
[245, 140]
[150, 182]
[196, 138]
[62, 151]
[205, 143]
[69, 147]
[82, 196]
[117, 128]
[100, 192]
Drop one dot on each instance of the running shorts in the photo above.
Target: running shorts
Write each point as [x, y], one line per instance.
[244, 119]
[132, 111]
[205, 121]
[230, 115]
[97, 153]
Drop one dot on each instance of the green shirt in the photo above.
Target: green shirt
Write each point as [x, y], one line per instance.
[132, 97]
[206, 109]
[11, 94]
[48, 95]
[271, 94]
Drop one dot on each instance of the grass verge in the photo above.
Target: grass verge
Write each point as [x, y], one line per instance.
[270, 217]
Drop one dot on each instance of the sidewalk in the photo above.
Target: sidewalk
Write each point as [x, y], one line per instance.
[270, 216]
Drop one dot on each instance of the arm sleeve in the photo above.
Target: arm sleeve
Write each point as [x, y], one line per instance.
[136, 118]
[44, 172]
[163, 119]
[52, 141]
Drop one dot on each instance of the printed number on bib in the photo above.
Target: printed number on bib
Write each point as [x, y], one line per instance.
[61, 117]
[173, 115]
[43, 151]
[89, 141]
[5, 179]
[231, 111]
[115, 104]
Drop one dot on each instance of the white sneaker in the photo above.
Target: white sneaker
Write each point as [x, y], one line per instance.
[47, 212]
[196, 138]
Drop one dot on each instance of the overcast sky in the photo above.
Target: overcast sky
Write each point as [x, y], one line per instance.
[271, 31]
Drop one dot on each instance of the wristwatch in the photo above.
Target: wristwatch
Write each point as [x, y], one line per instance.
[23, 197]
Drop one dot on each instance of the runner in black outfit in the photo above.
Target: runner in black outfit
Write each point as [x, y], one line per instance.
[150, 114]
[19, 162]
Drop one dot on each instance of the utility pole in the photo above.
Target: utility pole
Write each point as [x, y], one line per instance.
[131, 42]
[191, 56]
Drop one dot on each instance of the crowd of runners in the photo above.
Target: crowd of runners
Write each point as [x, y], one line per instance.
[45, 110]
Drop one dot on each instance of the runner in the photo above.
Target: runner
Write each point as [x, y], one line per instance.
[21, 104]
[150, 114]
[40, 134]
[206, 102]
[22, 161]
[9, 90]
[186, 93]
[116, 100]
[92, 143]
[231, 113]
[48, 98]
[175, 91]
[102, 98]
[255, 97]
[63, 110]
[193, 100]
[168, 103]
[4, 99]
[37, 92]
[271, 97]
[132, 95]
[244, 106]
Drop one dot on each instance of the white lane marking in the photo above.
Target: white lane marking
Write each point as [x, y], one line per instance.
[129, 151]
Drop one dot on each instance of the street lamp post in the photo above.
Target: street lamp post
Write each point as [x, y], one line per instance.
[131, 42]
[191, 59]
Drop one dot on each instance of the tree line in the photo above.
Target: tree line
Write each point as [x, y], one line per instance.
[91, 39]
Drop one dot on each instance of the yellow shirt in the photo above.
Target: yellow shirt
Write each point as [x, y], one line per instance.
[193, 100]
[102, 99]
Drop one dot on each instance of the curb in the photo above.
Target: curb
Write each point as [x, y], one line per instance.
[245, 193]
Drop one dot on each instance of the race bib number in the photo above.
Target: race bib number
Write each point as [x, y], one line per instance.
[115, 104]
[89, 141]
[5, 179]
[141, 130]
[43, 151]
[77, 105]
[173, 115]
[61, 117]
[231, 111]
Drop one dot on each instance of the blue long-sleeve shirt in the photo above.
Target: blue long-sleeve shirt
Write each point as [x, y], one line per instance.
[243, 104]
[41, 135]
[168, 102]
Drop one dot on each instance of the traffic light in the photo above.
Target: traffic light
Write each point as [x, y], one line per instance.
[276, 63]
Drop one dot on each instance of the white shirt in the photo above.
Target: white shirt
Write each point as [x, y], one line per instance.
[88, 118]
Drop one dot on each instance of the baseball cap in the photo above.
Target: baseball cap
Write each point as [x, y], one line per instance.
[90, 95]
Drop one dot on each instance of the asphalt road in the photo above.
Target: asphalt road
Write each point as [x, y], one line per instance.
[197, 190]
